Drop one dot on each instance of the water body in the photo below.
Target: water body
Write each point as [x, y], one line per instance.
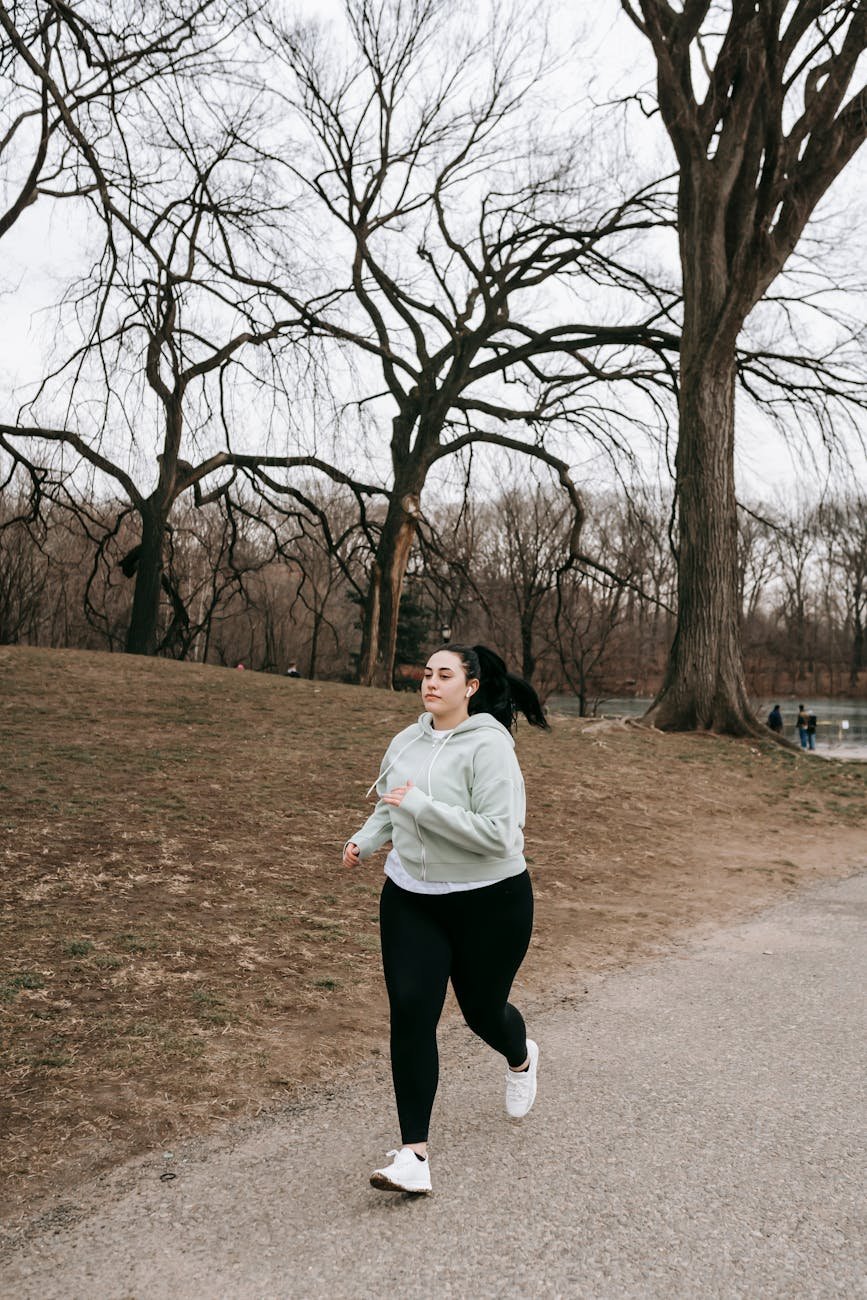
[841, 724]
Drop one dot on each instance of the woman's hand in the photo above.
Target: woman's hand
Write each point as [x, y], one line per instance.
[350, 855]
[396, 796]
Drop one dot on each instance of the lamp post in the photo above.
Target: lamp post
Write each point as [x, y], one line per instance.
[446, 633]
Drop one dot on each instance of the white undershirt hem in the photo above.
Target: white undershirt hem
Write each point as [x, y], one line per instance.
[396, 871]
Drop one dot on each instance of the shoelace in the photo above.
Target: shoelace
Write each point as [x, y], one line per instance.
[390, 765]
[517, 1082]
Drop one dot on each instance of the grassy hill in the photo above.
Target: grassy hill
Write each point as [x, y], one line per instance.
[181, 943]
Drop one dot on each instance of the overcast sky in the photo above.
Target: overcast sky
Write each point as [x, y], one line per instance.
[613, 57]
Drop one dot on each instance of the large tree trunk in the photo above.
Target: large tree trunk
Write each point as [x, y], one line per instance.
[382, 607]
[143, 633]
[703, 687]
[704, 684]
[318, 620]
[528, 659]
[582, 691]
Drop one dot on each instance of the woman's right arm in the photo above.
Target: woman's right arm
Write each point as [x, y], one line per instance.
[375, 832]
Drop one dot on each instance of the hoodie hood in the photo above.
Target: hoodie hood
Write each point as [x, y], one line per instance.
[475, 722]
[423, 729]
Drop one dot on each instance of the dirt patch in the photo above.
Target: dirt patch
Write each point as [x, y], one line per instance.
[181, 944]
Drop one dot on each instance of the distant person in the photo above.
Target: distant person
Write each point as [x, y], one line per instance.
[802, 725]
[812, 724]
[292, 670]
[239, 667]
[457, 903]
[775, 719]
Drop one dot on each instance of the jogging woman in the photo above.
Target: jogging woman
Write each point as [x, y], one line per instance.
[457, 903]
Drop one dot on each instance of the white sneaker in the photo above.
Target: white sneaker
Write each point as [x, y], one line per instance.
[406, 1173]
[521, 1085]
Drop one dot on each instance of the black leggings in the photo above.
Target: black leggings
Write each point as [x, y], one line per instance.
[478, 938]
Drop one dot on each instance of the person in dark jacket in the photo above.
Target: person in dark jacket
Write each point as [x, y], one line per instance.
[775, 719]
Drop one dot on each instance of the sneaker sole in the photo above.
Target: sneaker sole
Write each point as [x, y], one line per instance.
[383, 1184]
[523, 1114]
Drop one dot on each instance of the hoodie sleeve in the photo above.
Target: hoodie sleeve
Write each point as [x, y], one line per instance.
[495, 815]
[375, 832]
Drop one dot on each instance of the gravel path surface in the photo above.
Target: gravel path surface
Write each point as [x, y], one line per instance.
[699, 1132]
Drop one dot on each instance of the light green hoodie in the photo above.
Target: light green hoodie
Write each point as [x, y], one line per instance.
[463, 818]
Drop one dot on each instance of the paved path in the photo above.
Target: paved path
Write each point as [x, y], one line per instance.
[698, 1133]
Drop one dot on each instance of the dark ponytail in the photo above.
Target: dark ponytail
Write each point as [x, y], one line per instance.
[501, 693]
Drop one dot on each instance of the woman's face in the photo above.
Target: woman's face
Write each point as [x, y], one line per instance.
[445, 685]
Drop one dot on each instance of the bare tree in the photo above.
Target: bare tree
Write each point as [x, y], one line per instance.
[586, 619]
[842, 527]
[600, 621]
[24, 576]
[450, 223]
[327, 552]
[756, 561]
[65, 65]
[828, 609]
[527, 539]
[754, 99]
[450, 541]
[634, 534]
[793, 546]
[176, 190]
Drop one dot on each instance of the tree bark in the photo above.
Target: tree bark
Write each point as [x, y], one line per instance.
[528, 659]
[382, 607]
[318, 617]
[143, 632]
[704, 687]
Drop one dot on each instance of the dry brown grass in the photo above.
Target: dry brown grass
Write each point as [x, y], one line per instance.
[180, 943]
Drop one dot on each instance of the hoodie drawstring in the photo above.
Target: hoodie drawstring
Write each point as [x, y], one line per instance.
[440, 746]
[388, 768]
[439, 749]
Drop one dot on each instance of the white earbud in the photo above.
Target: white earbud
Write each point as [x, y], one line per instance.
[469, 693]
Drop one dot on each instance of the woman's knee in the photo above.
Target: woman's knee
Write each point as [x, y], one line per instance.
[484, 1021]
[412, 1009]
